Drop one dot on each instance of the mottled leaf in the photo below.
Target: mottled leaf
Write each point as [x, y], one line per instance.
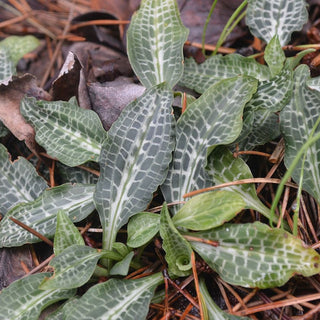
[155, 41]
[134, 159]
[23, 300]
[271, 97]
[254, 255]
[178, 250]
[200, 77]
[19, 181]
[41, 214]
[66, 233]
[314, 83]
[67, 132]
[73, 267]
[209, 210]
[211, 309]
[116, 299]
[274, 56]
[215, 118]
[224, 167]
[142, 228]
[12, 49]
[18, 46]
[266, 18]
[297, 120]
[122, 267]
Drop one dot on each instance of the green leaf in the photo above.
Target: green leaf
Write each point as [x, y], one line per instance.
[12, 49]
[122, 267]
[178, 250]
[134, 159]
[116, 299]
[142, 228]
[272, 95]
[18, 46]
[23, 300]
[68, 133]
[66, 233]
[19, 181]
[297, 120]
[266, 18]
[120, 248]
[209, 210]
[41, 214]
[7, 67]
[254, 255]
[215, 118]
[155, 41]
[212, 310]
[314, 83]
[224, 167]
[72, 268]
[76, 174]
[200, 77]
[274, 56]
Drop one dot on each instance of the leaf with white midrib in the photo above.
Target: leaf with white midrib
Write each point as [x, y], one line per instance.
[266, 18]
[23, 300]
[155, 41]
[41, 213]
[215, 118]
[19, 181]
[67, 132]
[115, 299]
[254, 255]
[134, 159]
[201, 76]
[296, 121]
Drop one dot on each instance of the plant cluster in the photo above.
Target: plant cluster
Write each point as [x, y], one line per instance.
[147, 150]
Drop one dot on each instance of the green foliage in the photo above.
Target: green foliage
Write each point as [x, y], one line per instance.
[178, 250]
[67, 132]
[147, 150]
[254, 255]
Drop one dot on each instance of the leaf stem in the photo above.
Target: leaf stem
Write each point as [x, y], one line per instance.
[206, 26]
[230, 25]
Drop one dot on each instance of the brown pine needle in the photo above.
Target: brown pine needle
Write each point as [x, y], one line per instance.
[34, 232]
[98, 22]
[238, 182]
[278, 304]
[206, 241]
[196, 283]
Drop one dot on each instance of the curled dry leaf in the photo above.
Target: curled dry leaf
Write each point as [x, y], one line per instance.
[10, 115]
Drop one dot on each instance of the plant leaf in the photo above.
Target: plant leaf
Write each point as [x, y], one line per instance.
[178, 250]
[266, 19]
[72, 268]
[18, 46]
[69, 133]
[209, 210]
[215, 118]
[155, 41]
[122, 299]
[40, 214]
[297, 120]
[272, 95]
[274, 56]
[212, 310]
[122, 267]
[254, 255]
[134, 159]
[224, 167]
[142, 228]
[200, 77]
[66, 233]
[19, 181]
[23, 300]
[12, 49]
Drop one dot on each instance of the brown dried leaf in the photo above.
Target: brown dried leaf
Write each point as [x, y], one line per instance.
[10, 115]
